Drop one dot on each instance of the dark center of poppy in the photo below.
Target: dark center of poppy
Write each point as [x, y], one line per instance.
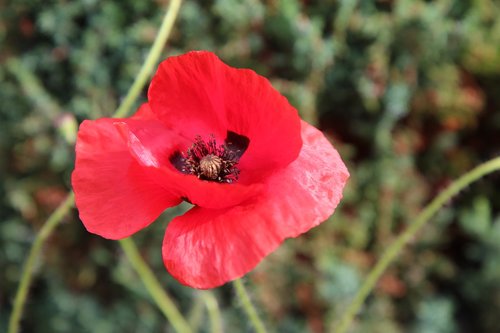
[209, 161]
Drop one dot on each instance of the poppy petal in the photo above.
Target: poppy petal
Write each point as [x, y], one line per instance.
[144, 113]
[114, 194]
[206, 248]
[197, 94]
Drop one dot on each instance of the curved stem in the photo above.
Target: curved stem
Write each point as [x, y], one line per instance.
[151, 60]
[395, 248]
[63, 209]
[29, 265]
[154, 288]
[213, 311]
[248, 306]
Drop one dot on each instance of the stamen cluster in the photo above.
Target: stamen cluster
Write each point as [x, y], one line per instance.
[209, 161]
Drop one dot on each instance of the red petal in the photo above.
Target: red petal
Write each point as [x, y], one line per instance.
[114, 194]
[144, 113]
[206, 248]
[207, 194]
[197, 94]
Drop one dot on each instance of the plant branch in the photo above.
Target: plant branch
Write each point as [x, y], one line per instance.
[213, 311]
[395, 248]
[154, 288]
[248, 306]
[29, 265]
[151, 60]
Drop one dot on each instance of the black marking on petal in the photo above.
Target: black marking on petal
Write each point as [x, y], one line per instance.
[187, 200]
[178, 161]
[236, 143]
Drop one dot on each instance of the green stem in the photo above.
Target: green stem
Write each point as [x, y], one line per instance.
[151, 60]
[248, 306]
[64, 208]
[213, 311]
[154, 287]
[33, 89]
[29, 265]
[395, 248]
[196, 314]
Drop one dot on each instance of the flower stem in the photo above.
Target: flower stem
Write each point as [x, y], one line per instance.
[213, 311]
[248, 306]
[29, 265]
[151, 60]
[63, 209]
[395, 248]
[154, 288]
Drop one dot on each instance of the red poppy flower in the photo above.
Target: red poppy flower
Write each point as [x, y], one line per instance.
[222, 139]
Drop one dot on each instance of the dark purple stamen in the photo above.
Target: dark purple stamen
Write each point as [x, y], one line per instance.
[212, 162]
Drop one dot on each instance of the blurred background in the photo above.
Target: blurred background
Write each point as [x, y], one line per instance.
[408, 91]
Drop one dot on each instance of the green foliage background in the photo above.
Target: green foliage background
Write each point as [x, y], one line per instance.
[408, 91]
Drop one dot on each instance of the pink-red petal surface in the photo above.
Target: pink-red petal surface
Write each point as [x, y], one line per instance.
[197, 94]
[205, 248]
[113, 193]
